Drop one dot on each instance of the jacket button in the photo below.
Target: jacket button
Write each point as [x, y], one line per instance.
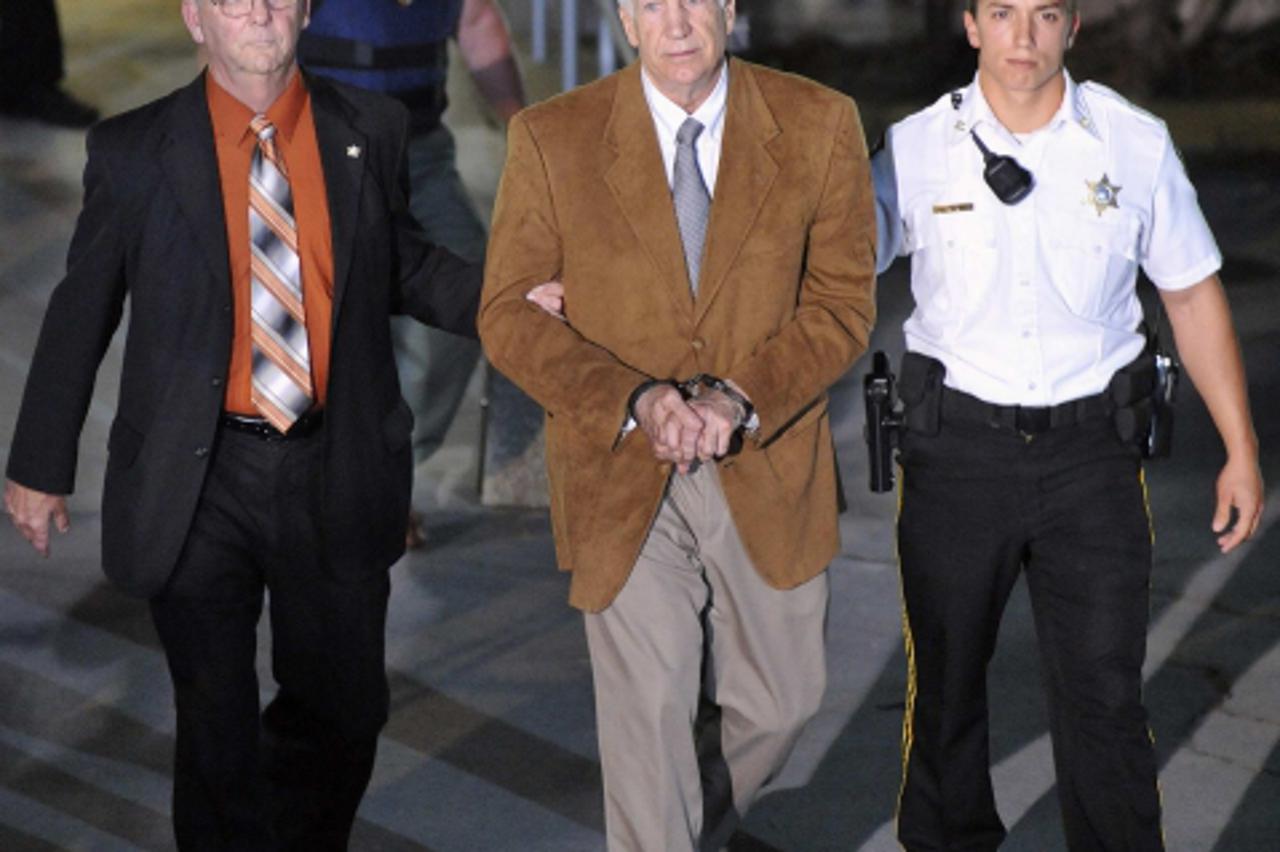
[201, 452]
[698, 343]
[216, 381]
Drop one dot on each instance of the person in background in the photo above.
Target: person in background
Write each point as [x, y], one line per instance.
[31, 67]
[401, 49]
[1027, 376]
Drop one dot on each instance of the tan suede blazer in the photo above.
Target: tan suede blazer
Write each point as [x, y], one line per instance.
[784, 306]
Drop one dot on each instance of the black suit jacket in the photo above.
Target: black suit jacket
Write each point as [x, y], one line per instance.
[152, 230]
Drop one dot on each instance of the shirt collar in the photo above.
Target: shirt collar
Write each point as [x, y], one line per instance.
[1075, 109]
[975, 111]
[668, 115]
[231, 116]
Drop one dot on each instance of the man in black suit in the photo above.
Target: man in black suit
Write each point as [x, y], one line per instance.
[256, 221]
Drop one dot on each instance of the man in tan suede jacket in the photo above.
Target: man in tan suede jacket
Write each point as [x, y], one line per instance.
[712, 223]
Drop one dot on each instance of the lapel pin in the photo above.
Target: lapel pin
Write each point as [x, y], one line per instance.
[353, 151]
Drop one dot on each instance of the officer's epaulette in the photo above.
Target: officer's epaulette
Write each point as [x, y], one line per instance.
[1117, 100]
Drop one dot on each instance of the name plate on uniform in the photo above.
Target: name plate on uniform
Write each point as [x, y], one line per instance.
[964, 207]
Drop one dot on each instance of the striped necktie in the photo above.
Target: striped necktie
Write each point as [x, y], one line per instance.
[692, 201]
[282, 389]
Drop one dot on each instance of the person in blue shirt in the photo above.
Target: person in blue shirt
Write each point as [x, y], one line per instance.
[400, 47]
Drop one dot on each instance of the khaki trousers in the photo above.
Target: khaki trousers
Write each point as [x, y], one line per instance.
[704, 676]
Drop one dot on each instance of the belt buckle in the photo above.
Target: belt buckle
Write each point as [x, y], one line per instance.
[255, 426]
[1033, 420]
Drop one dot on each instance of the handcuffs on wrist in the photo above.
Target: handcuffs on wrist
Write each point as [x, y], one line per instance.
[744, 410]
[695, 387]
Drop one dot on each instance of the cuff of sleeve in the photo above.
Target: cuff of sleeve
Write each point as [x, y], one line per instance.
[1191, 277]
[751, 391]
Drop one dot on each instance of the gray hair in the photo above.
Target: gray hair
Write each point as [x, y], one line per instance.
[631, 5]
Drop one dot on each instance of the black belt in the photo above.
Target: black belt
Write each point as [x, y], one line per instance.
[1027, 419]
[426, 103]
[260, 427]
[349, 53]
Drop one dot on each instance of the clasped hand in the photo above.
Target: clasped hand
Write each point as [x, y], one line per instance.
[680, 431]
[683, 431]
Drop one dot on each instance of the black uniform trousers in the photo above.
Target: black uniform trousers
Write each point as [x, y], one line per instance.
[292, 776]
[1067, 505]
[30, 46]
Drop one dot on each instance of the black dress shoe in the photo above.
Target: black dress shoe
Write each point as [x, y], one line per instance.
[50, 105]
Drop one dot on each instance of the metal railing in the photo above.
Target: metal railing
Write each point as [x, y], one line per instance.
[611, 41]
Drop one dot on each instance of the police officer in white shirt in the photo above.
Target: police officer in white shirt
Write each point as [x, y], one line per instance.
[1025, 340]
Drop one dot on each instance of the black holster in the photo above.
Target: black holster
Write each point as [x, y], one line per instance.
[920, 389]
[1130, 390]
[1143, 393]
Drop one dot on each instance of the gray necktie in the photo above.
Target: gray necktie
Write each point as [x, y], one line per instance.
[692, 201]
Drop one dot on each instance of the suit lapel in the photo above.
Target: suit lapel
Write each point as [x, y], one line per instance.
[190, 163]
[747, 172]
[638, 181]
[338, 139]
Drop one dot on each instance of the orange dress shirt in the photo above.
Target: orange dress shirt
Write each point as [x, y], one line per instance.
[296, 142]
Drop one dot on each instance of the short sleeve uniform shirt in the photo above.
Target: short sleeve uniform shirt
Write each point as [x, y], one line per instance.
[1035, 303]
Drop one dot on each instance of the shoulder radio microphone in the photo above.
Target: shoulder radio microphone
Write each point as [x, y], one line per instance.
[1007, 178]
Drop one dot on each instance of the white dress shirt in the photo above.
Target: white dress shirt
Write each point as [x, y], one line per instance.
[668, 116]
[1035, 303]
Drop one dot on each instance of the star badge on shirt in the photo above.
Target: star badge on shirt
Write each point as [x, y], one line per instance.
[353, 151]
[1103, 194]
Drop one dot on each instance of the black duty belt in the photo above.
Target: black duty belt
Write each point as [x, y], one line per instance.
[1027, 419]
[348, 53]
[426, 103]
[260, 427]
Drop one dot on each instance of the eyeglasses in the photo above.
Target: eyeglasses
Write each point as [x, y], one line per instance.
[241, 8]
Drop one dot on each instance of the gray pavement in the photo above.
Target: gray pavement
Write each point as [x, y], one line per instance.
[491, 743]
